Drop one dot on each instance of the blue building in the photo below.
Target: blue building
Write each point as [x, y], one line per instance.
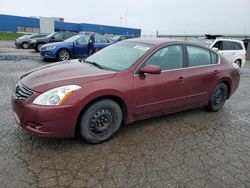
[35, 25]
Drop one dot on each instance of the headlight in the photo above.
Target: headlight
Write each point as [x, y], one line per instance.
[56, 96]
[50, 48]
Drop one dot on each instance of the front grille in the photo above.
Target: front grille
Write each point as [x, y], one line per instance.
[22, 92]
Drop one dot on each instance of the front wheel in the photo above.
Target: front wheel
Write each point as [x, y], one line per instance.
[218, 97]
[63, 55]
[38, 47]
[25, 45]
[100, 121]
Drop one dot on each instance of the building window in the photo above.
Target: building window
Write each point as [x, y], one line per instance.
[28, 29]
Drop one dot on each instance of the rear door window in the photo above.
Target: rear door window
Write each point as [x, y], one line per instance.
[101, 39]
[199, 56]
[227, 45]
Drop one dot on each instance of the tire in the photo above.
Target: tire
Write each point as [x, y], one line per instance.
[38, 47]
[100, 121]
[63, 55]
[238, 62]
[218, 97]
[25, 45]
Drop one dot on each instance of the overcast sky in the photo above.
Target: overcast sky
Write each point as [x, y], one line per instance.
[166, 16]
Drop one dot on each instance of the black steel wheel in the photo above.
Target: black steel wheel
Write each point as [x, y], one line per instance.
[218, 97]
[100, 121]
[63, 55]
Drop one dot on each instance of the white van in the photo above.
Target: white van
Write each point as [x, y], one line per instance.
[233, 50]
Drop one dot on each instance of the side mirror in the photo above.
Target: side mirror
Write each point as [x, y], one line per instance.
[52, 38]
[215, 49]
[150, 69]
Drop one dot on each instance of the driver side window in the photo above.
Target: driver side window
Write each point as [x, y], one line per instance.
[58, 36]
[170, 57]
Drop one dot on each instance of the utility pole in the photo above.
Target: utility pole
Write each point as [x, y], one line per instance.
[121, 21]
[126, 17]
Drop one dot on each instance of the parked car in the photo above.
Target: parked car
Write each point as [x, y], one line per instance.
[78, 46]
[124, 82]
[23, 41]
[53, 37]
[118, 38]
[233, 50]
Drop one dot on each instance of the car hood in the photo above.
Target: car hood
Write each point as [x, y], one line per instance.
[57, 44]
[63, 73]
[43, 39]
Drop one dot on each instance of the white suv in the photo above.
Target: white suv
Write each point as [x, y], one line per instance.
[233, 50]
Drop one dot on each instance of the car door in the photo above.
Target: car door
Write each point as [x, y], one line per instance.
[164, 92]
[226, 49]
[202, 75]
[100, 42]
[80, 47]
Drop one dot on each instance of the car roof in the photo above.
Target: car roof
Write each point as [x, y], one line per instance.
[154, 41]
[228, 39]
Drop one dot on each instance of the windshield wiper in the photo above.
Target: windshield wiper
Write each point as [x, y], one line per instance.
[95, 64]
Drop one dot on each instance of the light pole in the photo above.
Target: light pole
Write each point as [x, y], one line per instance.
[121, 21]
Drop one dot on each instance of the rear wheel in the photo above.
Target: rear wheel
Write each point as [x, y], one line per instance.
[218, 97]
[63, 55]
[25, 45]
[100, 121]
[238, 62]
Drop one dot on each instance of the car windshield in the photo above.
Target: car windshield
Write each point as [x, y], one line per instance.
[72, 39]
[116, 37]
[50, 35]
[203, 41]
[119, 56]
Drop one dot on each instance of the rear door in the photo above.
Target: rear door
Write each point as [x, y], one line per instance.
[100, 42]
[201, 76]
[165, 92]
[226, 49]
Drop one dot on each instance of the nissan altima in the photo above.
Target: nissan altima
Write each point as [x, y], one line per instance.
[124, 82]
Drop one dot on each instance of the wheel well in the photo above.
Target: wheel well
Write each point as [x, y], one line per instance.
[228, 87]
[64, 49]
[118, 100]
[239, 60]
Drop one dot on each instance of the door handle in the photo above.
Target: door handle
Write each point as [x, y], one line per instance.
[216, 71]
[180, 79]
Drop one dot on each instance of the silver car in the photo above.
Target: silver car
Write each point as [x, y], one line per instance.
[23, 41]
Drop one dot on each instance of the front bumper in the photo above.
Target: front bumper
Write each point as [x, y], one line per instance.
[32, 45]
[18, 45]
[47, 121]
[48, 55]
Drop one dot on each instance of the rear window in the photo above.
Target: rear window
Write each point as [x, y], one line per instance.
[237, 46]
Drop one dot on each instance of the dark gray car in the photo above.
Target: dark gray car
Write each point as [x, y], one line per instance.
[23, 41]
[52, 37]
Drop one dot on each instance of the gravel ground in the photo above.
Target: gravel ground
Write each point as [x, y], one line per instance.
[194, 148]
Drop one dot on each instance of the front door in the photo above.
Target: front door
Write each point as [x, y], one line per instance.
[80, 47]
[165, 92]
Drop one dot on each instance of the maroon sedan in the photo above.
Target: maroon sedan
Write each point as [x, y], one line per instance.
[128, 81]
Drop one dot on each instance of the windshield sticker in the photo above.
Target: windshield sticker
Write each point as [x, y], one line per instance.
[143, 48]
